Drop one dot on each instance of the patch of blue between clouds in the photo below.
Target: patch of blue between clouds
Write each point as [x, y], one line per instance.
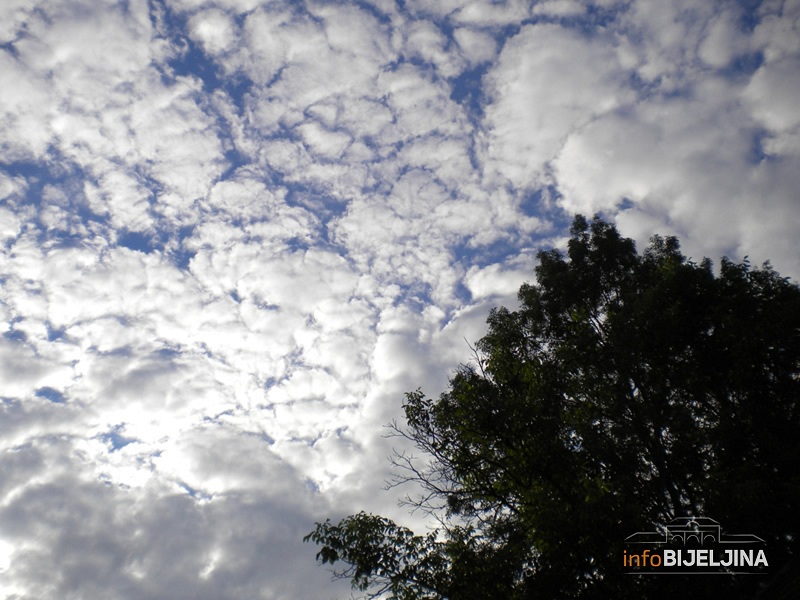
[194, 493]
[757, 152]
[626, 204]
[541, 204]
[749, 17]
[10, 48]
[54, 333]
[167, 353]
[743, 65]
[51, 394]
[468, 92]
[325, 208]
[595, 20]
[644, 89]
[58, 173]
[181, 257]
[462, 294]
[498, 252]
[416, 296]
[321, 204]
[14, 335]
[193, 62]
[190, 60]
[30, 171]
[115, 439]
[135, 240]
[158, 241]
[265, 438]
[373, 10]
[36, 177]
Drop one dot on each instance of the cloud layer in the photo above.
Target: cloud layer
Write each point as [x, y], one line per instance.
[235, 232]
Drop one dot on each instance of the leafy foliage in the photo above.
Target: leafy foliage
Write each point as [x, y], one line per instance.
[381, 554]
[627, 390]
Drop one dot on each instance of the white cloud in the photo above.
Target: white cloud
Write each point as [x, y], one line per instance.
[723, 42]
[548, 82]
[324, 230]
[559, 8]
[425, 41]
[477, 46]
[24, 372]
[24, 107]
[686, 161]
[420, 104]
[774, 93]
[776, 35]
[214, 29]
[494, 281]
[9, 224]
[13, 14]
[488, 12]
[326, 143]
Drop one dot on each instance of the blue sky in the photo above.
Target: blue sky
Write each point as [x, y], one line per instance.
[235, 232]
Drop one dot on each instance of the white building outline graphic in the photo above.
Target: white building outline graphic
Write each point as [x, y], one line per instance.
[692, 530]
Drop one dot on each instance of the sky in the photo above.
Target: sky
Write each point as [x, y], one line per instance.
[234, 233]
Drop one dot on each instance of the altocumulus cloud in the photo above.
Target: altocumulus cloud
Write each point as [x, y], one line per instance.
[235, 232]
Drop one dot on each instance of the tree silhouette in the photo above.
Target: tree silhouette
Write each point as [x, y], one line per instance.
[628, 389]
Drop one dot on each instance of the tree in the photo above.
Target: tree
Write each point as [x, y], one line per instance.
[627, 390]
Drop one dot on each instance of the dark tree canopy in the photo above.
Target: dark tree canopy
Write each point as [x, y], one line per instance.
[627, 390]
